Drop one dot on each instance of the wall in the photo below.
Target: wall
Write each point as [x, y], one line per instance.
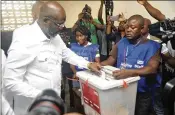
[73, 8]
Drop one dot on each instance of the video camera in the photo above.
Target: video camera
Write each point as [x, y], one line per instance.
[109, 6]
[47, 103]
[169, 96]
[165, 30]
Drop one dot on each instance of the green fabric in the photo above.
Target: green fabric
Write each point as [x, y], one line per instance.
[97, 21]
[92, 29]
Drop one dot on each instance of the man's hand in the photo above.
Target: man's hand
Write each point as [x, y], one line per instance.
[109, 22]
[121, 17]
[123, 73]
[75, 77]
[91, 20]
[142, 2]
[96, 67]
[80, 16]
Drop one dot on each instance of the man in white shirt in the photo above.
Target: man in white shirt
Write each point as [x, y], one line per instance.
[5, 108]
[145, 33]
[34, 59]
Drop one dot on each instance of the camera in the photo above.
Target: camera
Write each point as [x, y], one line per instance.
[168, 96]
[165, 30]
[47, 103]
[86, 12]
[109, 6]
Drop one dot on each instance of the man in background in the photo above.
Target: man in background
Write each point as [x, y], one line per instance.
[169, 58]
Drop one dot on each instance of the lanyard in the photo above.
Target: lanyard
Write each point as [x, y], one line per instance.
[127, 53]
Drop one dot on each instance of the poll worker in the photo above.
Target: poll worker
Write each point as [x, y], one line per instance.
[136, 55]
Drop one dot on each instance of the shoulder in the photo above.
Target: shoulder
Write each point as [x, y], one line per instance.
[123, 40]
[73, 44]
[92, 45]
[153, 44]
[22, 29]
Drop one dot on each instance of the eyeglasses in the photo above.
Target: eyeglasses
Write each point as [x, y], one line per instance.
[57, 24]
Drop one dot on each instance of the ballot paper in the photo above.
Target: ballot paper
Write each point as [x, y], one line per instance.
[107, 72]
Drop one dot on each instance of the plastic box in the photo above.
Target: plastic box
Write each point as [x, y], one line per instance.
[101, 96]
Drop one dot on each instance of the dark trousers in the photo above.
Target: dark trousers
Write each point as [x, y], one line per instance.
[147, 102]
[63, 87]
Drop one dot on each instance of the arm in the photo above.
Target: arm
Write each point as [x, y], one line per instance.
[151, 67]
[169, 59]
[149, 70]
[97, 59]
[109, 26]
[100, 12]
[112, 58]
[73, 68]
[75, 25]
[108, 29]
[155, 13]
[97, 25]
[77, 22]
[6, 109]
[72, 58]
[16, 67]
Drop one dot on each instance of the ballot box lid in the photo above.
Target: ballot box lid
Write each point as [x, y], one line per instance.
[104, 83]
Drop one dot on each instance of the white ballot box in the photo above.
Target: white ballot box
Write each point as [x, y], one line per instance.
[103, 95]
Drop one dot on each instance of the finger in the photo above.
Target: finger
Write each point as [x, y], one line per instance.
[96, 70]
[116, 71]
[99, 66]
[119, 77]
[116, 74]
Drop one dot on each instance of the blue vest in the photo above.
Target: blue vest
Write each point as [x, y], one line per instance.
[88, 53]
[137, 56]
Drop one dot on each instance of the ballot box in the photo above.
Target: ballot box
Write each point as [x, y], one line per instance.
[104, 95]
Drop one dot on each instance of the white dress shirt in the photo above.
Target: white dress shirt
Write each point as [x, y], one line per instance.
[4, 106]
[164, 49]
[172, 53]
[34, 64]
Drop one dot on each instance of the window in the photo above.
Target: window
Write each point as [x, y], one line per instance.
[15, 14]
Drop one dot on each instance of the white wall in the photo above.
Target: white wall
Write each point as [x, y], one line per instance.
[73, 8]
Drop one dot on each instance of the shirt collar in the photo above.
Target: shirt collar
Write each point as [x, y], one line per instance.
[39, 32]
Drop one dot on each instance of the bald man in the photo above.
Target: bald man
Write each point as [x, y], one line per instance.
[34, 60]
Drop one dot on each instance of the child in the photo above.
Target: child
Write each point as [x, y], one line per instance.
[84, 48]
